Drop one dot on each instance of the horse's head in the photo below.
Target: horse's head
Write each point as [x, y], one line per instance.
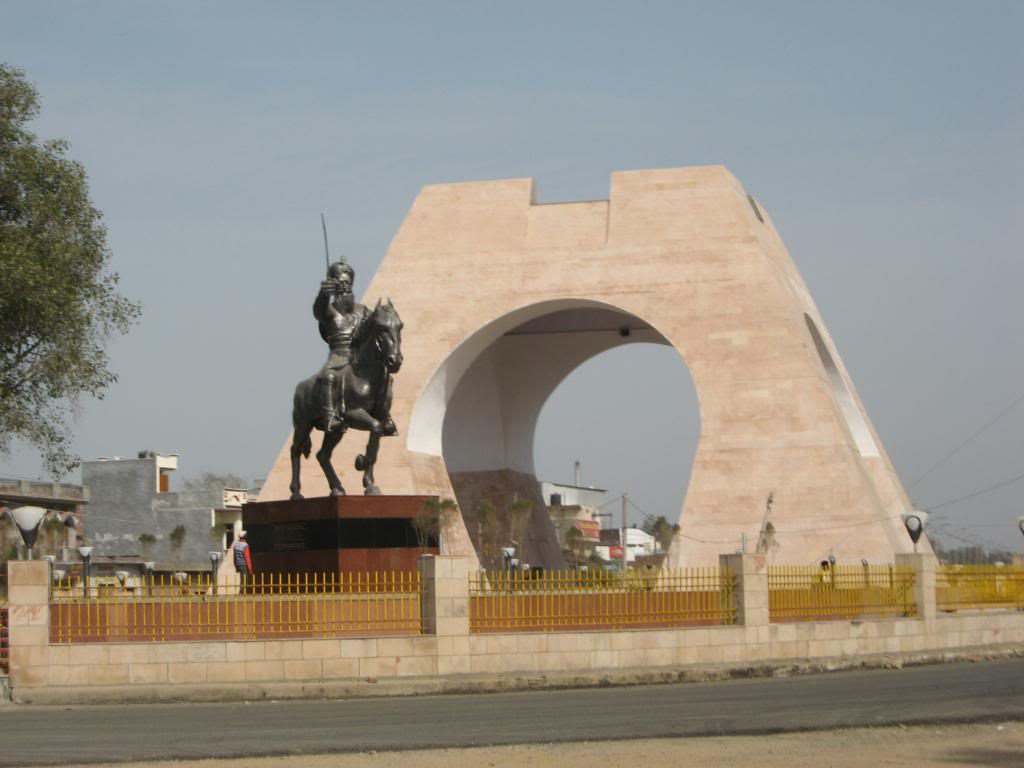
[388, 330]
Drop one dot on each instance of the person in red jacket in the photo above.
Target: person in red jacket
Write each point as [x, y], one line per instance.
[243, 559]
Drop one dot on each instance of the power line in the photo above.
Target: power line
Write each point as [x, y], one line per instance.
[977, 493]
[970, 439]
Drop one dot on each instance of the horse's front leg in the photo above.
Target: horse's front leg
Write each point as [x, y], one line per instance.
[365, 463]
[323, 456]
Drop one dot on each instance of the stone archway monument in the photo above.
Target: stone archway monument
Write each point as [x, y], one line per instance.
[502, 298]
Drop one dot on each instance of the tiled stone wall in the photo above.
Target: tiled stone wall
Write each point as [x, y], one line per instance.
[35, 663]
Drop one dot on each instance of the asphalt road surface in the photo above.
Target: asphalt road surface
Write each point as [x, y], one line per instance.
[963, 692]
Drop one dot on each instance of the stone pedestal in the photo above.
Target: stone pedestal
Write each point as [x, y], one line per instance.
[923, 565]
[445, 597]
[751, 590]
[335, 534]
[28, 616]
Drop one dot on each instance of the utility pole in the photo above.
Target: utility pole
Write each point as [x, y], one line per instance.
[625, 546]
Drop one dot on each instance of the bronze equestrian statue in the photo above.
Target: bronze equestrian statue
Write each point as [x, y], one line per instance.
[353, 389]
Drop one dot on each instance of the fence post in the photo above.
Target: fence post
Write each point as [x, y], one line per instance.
[28, 622]
[444, 595]
[923, 566]
[751, 590]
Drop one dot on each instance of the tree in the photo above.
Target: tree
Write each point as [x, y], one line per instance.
[575, 546]
[518, 521]
[490, 533]
[433, 522]
[662, 531]
[59, 304]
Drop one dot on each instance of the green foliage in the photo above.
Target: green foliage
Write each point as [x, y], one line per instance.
[575, 546]
[518, 521]
[59, 304]
[433, 521]
[662, 531]
[489, 532]
[498, 527]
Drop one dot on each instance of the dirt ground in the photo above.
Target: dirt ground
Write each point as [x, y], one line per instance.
[991, 745]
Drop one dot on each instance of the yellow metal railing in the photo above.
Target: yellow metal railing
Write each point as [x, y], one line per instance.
[4, 643]
[189, 607]
[959, 587]
[510, 601]
[811, 593]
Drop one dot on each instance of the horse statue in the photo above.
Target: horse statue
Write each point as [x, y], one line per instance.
[362, 401]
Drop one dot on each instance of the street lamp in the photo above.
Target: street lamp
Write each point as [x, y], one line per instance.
[915, 522]
[86, 553]
[28, 520]
[215, 558]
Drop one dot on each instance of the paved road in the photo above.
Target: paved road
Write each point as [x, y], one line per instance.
[940, 693]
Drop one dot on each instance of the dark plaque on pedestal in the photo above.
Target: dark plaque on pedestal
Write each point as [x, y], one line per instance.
[336, 534]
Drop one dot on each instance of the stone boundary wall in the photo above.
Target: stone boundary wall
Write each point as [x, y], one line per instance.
[37, 665]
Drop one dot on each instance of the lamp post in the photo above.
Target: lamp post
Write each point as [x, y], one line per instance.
[72, 532]
[625, 539]
[915, 522]
[215, 558]
[28, 520]
[50, 559]
[86, 553]
[149, 565]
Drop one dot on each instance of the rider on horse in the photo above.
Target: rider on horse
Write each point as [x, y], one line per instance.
[342, 325]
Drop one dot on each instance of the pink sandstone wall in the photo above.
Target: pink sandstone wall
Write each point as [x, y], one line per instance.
[684, 251]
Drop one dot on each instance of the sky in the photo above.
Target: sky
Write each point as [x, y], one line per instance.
[885, 139]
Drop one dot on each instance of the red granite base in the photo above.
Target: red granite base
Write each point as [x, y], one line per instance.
[335, 534]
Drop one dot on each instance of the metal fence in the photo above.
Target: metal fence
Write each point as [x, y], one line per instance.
[960, 587]
[263, 606]
[511, 601]
[810, 593]
[4, 643]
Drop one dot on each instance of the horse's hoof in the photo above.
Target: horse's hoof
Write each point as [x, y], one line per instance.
[360, 463]
[296, 496]
[372, 490]
[337, 491]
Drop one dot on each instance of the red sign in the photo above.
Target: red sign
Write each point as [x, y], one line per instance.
[615, 552]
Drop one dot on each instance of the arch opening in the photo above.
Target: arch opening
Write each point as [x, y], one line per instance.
[622, 381]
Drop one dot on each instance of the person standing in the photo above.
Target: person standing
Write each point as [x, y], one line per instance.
[242, 558]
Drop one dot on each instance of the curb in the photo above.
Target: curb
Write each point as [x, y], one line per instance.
[463, 684]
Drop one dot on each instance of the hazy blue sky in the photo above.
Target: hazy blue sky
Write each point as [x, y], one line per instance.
[885, 138]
